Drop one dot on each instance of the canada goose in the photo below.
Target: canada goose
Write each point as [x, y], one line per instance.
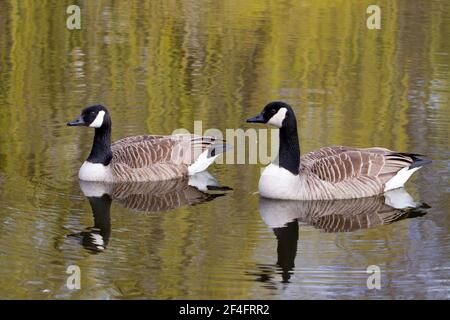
[329, 173]
[142, 158]
[343, 215]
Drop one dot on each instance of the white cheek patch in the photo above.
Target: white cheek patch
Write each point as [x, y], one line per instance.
[97, 123]
[277, 119]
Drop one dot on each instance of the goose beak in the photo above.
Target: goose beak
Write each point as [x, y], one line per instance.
[77, 122]
[258, 119]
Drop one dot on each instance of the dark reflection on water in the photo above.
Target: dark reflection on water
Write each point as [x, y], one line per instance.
[287, 238]
[330, 216]
[150, 197]
[343, 215]
[96, 238]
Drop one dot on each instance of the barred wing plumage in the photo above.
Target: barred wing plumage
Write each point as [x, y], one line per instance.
[155, 158]
[351, 171]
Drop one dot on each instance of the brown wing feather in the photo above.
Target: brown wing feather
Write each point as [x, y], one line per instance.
[150, 158]
[336, 164]
[134, 139]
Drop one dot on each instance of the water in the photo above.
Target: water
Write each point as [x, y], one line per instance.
[161, 65]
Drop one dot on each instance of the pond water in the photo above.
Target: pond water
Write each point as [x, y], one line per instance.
[161, 65]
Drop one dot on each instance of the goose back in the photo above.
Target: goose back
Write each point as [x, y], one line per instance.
[343, 172]
[155, 158]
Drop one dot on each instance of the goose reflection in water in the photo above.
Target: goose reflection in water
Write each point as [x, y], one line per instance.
[147, 197]
[284, 216]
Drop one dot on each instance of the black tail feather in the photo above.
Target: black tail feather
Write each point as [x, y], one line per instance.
[419, 160]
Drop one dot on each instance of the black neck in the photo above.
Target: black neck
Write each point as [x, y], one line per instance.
[289, 153]
[101, 148]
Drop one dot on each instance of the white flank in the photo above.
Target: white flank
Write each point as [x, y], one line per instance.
[201, 163]
[278, 183]
[97, 123]
[95, 172]
[399, 179]
[277, 119]
[399, 199]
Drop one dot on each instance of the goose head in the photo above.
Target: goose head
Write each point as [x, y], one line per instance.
[96, 116]
[277, 113]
